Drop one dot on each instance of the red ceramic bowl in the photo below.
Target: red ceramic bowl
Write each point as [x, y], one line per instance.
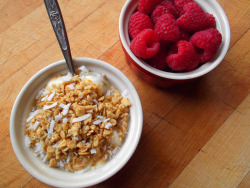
[167, 79]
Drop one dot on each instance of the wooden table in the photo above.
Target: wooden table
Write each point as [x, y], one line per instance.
[196, 135]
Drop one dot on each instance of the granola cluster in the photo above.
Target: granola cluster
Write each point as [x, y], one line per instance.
[74, 125]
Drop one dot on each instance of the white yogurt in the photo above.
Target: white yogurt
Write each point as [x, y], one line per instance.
[116, 140]
[85, 74]
[97, 79]
[60, 80]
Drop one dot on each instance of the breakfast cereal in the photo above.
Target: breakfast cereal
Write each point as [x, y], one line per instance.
[78, 122]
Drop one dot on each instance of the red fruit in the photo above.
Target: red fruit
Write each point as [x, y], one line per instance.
[179, 4]
[210, 20]
[194, 18]
[166, 28]
[165, 6]
[207, 43]
[137, 22]
[182, 57]
[147, 6]
[145, 44]
[184, 36]
[159, 60]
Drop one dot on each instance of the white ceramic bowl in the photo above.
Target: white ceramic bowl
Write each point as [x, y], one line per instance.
[56, 177]
[166, 79]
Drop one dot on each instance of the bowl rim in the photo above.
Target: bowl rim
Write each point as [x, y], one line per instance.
[120, 164]
[168, 75]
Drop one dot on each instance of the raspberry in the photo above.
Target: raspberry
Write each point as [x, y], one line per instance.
[179, 4]
[166, 28]
[207, 42]
[182, 56]
[194, 18]
[210, 20]
[147, 6]
[137, 22]
[165, 6]
[145, 44]
[159, 60]
[184, 36]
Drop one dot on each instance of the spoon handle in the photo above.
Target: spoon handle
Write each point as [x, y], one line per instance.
[57, 22]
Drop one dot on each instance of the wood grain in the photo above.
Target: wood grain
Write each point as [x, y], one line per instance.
[245, 183]
[194, 135]
[215, 164]
[12, 11]
[238, 16]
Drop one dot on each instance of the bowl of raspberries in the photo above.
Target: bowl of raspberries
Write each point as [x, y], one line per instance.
[167, 42]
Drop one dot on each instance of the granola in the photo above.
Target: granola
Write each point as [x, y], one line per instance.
[77, 122]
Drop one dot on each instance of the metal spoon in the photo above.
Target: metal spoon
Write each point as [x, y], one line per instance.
[57, 22]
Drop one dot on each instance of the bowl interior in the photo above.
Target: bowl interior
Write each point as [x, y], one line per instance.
[222, 25]
[56, 177]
